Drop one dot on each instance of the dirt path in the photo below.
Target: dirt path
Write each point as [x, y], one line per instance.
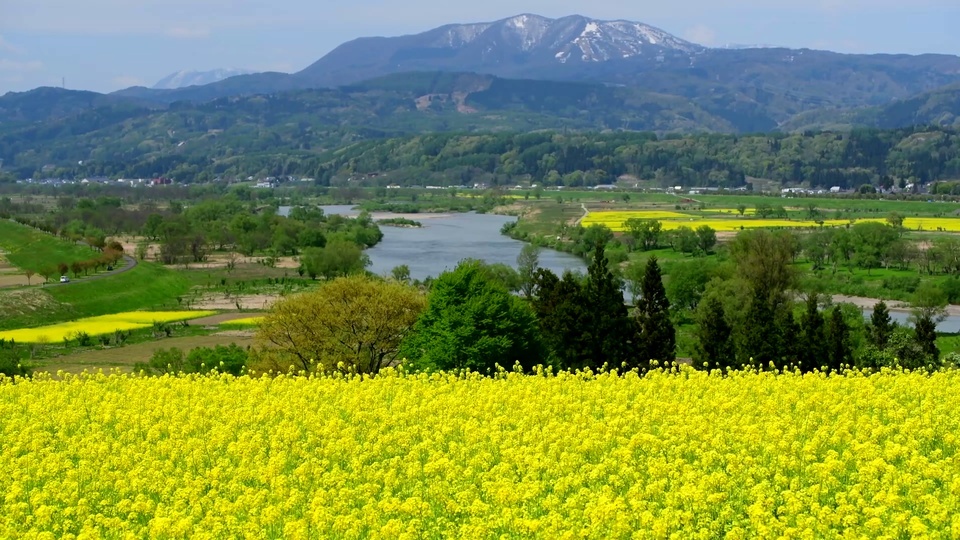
[585, 213]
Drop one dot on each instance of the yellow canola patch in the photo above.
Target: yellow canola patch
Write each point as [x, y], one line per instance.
[689, 455]
[104, 324]
[932, 224]
[248, 321]
[615, 220]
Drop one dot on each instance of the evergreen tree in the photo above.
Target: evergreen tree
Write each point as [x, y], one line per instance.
[925, 334]
[714, 349]
[758, 340]
[838, 341]
[881, 325]
[561, 309]
[790, 347]
[612, 333]
[658, 338]
[813, 337]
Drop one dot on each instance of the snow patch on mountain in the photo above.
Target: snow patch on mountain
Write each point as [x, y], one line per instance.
[574, 36]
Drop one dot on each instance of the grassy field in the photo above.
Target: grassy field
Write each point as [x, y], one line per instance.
[124, 358]
[148, 285]
[30, 249]
[671, 455]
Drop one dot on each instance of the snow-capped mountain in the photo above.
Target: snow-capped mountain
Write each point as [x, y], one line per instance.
[183, 79]
[573, 37]
[508, 47]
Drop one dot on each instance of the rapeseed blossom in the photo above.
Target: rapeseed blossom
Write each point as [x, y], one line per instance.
[675, 454]
[615, 220]
[104, 324]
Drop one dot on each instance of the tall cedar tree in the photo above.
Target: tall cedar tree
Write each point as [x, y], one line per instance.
[714, 336]
[881, 325]
[812, 338]
[925, 333]
[658, 337]
[561, 309]
[790, 347]
[838, 341]
[612, 332]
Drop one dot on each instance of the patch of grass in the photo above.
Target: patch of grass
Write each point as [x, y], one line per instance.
[30, 249]
[124, 358]
[148, 286]
[31, 307]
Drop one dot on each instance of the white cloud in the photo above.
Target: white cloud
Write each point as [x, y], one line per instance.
[701, 34]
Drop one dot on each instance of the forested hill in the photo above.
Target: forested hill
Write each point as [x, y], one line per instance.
[825, 159]
[818, 159]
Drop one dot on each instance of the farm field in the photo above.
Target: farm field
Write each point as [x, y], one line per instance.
[95, 326]
[615, 220]
[126, 357]
[689, 454]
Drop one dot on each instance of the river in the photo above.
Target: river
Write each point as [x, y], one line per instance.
[445, 240]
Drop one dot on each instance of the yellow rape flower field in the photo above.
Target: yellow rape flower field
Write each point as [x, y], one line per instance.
[682, 455]
[246, 321]
[94, 326]
[614, 220]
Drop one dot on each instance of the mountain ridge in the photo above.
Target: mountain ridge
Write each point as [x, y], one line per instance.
[186, 78]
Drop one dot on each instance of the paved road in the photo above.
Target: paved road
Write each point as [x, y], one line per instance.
[131, 264]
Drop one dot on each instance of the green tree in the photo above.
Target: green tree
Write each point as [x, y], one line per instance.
[685, 240]
[812, 344]
[881, 325]
[352, 324]
[401, 273]
[472, 322]
[645, 231]
[613, 332]
[562, 312]
[338, 258]
[765, 265]
[687, 283]
[527, 263]
[714, 336]
[658, 337]
[706, 238]
[839, 353]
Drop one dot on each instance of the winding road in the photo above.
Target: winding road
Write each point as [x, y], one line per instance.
[131, 263]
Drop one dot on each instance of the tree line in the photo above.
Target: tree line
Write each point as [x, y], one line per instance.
[477, 318]
[880, 158]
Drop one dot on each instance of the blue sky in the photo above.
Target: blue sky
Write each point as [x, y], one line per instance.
[105, 45]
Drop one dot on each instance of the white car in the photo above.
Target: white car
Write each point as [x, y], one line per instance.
[64, 279]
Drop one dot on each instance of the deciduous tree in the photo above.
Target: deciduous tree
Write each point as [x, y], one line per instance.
[353, 324]
[472, 322]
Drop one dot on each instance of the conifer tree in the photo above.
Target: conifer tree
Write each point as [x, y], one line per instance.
[561, 310]
[838, 341]
[658, 339]
[925, 334]
[612, 333]
[881, 325]
[714, 349]
[812, 338]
